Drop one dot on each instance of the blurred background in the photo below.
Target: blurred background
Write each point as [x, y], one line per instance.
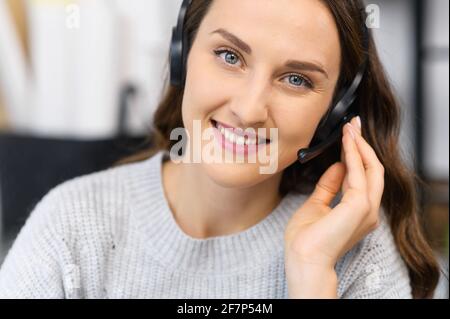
[80, 80]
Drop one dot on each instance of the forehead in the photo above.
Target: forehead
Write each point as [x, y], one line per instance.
[294, 29]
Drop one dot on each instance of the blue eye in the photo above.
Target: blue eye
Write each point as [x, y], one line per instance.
[230, 57]
[299, 81]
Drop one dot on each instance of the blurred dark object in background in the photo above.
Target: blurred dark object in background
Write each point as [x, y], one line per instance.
[31, 166]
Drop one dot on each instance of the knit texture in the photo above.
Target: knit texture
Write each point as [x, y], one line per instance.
[111, 234]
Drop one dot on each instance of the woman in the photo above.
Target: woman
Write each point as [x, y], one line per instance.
[157, 227]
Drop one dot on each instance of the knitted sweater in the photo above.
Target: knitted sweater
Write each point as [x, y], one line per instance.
[111, 234]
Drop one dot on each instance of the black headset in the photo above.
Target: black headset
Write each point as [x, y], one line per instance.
[330, 127]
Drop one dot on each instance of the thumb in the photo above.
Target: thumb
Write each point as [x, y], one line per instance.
[328, 185]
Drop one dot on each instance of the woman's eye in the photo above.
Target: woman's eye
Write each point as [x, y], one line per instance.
[299, 81]
[232, 58]
[228, 56]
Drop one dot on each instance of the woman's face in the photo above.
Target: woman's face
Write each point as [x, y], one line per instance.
[262, 64]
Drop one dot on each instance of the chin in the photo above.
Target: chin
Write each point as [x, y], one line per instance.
[234, 175]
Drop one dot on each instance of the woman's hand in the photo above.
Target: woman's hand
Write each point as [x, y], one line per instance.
[317, 235]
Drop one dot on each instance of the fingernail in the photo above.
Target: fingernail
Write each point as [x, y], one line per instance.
[358, 120]
[350, 127]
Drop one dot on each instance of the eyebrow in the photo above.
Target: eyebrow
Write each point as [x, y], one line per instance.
[292, 64]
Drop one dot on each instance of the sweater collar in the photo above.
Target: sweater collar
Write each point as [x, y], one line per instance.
[262, 242]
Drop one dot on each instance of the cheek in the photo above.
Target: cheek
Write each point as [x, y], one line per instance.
[204, 89]
[295, 132]
[298, 127]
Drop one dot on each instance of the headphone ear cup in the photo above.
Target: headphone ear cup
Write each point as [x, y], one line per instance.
[178, 48]
[176, 63]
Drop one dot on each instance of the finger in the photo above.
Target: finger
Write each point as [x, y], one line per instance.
[374, 170]
[345, 183]
[356, 125]
[328, 185]
[356, 175]
[368, 155]
[372, 165]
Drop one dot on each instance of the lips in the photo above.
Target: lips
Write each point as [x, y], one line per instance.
[240, 132]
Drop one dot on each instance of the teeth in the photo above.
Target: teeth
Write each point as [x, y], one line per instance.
[239, 140]
[250, 141]
[232, 137]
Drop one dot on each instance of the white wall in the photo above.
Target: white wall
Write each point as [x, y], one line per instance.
[437, 87]
[395, 40]
[83, 52]
[148, 29]
[395, 45]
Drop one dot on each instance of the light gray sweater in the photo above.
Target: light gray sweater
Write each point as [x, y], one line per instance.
[111, 234]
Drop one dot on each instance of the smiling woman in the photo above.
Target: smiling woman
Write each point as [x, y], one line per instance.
[252, 50]
[344, 224]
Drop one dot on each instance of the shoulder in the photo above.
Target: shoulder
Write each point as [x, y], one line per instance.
[374, 267]
[68, 232]
[92, 205]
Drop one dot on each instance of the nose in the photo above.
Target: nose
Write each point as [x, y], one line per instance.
[250, 106]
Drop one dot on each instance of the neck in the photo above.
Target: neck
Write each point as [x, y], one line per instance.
[203, 208]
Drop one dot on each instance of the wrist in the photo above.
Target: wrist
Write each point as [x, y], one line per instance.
[312, 281]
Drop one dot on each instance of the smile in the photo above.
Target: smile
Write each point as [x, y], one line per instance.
[238, 136]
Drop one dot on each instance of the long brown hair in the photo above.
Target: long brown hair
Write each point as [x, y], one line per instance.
[380, 114]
